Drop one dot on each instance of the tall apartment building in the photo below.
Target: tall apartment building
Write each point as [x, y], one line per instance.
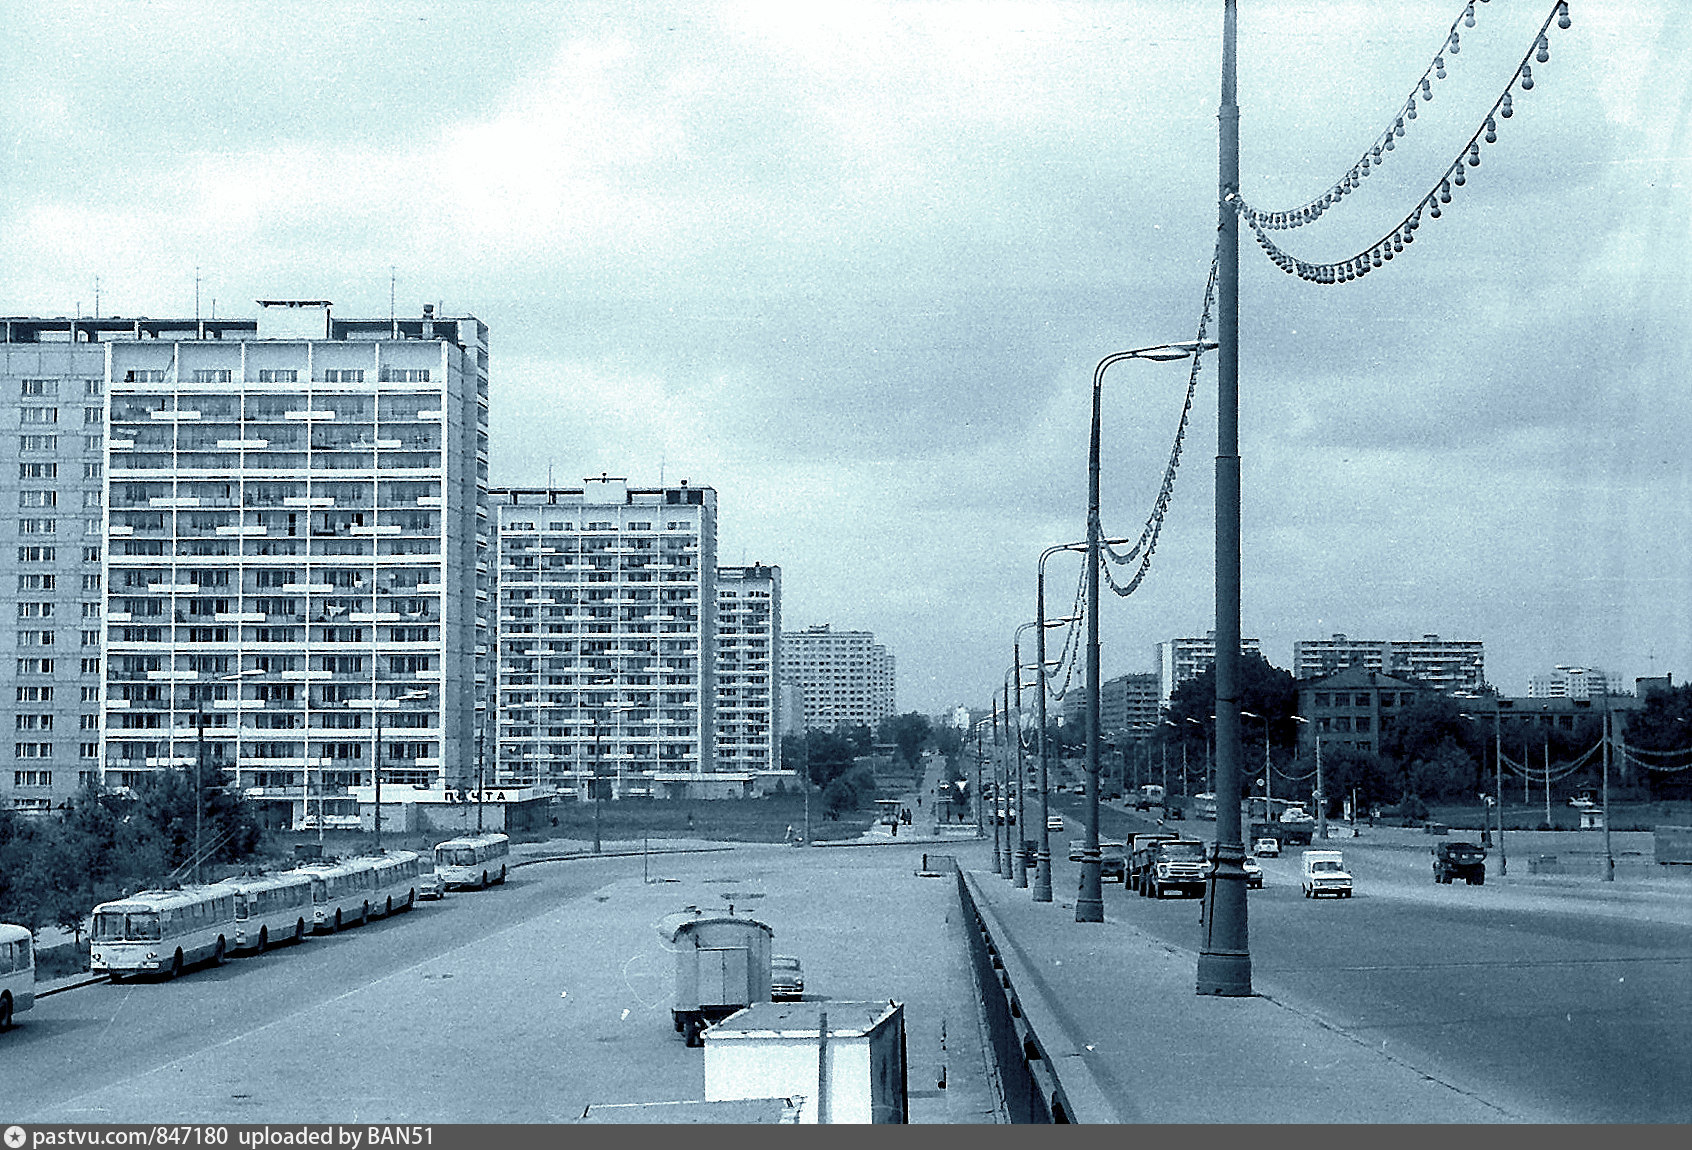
[1181, 659]
[748, 656]
[295, 555]
[605, 636]
[1454, 666]
[1569, 682]
[842, 676]
[52, 486]
[1130, 704]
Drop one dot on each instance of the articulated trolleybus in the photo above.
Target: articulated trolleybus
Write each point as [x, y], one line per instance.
[17, 972]
[161, 931]
[473, 861]
[352, 890]
[271, 908]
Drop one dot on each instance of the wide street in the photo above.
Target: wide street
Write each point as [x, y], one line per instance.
[1567, 996]
[523, 1003]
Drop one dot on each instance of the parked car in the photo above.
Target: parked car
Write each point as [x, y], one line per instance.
[1458, 860]
[1268, 848]
[787, 978]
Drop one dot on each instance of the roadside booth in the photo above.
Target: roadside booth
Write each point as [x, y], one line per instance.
[844, 1061]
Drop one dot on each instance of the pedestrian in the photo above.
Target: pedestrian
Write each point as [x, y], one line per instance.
[788, 837]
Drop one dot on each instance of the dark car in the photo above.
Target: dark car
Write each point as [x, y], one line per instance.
[1464, 861]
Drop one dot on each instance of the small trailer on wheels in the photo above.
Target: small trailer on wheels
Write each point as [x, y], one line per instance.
[722, 965]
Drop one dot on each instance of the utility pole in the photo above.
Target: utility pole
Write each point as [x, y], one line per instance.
[1224, 963]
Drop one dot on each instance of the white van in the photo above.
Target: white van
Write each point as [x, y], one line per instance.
[1324, 873]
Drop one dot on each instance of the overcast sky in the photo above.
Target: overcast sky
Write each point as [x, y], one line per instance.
[852, 264]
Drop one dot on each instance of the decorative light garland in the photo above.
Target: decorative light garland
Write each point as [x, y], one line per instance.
[1403, 233]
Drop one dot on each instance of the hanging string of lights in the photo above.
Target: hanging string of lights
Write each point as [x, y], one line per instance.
[1631, 755]
[1375, 155]
[1069, 656]
[1528, 771]
[1394, 241]
[1147, 542]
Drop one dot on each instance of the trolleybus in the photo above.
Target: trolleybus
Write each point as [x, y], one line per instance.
[162, 931]
[17, 972]
[270, 908]
[473, 861]
[351, 890]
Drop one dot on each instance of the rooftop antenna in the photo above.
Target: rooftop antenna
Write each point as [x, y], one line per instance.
[96, 297]
[196, 293]
[393, 310]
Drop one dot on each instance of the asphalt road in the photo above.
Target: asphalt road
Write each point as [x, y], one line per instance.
[1574, 998]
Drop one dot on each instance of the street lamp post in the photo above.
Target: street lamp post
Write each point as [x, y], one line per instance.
[1013, 764]
[1089, 904]
[1609, 859]
[376, 759]
[1320, 796]
[998, 797]
[1043, 864]
[1268, 769]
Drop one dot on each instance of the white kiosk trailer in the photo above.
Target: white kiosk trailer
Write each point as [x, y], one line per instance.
[722, 965]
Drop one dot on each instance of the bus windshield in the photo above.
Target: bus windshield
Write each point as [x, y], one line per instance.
[112, 926]
[457, 856]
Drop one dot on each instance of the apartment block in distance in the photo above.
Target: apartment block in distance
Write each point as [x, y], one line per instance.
[52, 487]
[842, 676]
[1454, 666]
[605, 634]
[748, 655]
[1181, 659]
[295, 559]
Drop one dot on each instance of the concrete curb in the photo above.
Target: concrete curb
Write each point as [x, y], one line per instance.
[1056, 1062]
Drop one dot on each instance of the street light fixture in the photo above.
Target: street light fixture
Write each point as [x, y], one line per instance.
[1043, 858]
[1089, 904]
[1320, 796]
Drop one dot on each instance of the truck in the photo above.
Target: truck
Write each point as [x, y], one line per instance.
[1323, 872]
[1295, 827]
[1137, 858]
[1459, 860]
[1172, 864]
[722, 965]
[1149, 796]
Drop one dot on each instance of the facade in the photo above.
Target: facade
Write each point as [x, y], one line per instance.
[1129, 704]
[842, 676]
[296, 553]
[1181, 659]
[748, 655]
[1566, 682]
[1354, 706]
[605, 636]
[52, 489]
[1455, 666]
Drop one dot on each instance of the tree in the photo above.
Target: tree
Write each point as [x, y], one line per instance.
[908, 732]
[1265, 690]
[1663, 729]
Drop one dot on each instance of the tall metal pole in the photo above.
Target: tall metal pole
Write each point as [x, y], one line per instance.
[199, 793]
[1609, 859]
[998, 797]
[1498, 782]
[1021, 862]
[1089, 902]
[481, 736]
[1321, 796]
[805, 767]
[595, 783]
[376, 763]
[980, 830]
[1043, 860]
[1224, 964]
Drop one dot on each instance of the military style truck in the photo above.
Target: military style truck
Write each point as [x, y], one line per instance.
[1170, 864]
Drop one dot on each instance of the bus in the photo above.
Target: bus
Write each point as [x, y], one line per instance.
[17, 972]
[270, 908]
[162, 931]
[352, 890]
[1204, 806]
[471, 861]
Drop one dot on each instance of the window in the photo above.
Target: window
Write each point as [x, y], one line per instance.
[38, 443]
[144, 375]
[37, 582]
[32, 750]
[94, 415]
[38, 498]
[35, 610]
[35, 638]
[344, 375]
[212, 375]
[89, 666]
[89, 750]
[90, 722]
[35, 694]
[37, 526]
[93, 387]
[39, 387]
[278, 375]
[1362, 699]
[35, 666]
[91, 582]
[32, 778]
[34, 722]
[405, 375]
[38, 471]
[1362, 723]
[91, 555]
[93, 442]
[91, 470]
[91, 638]
[40, 415]
[35, 554]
